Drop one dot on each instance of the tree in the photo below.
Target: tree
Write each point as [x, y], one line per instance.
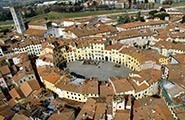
[183, 19]
[124, 19]
[139, 18]
[132, 19]
[142, 19]
[162, 16]
[162, 10]
[138, 15]
[153, 12]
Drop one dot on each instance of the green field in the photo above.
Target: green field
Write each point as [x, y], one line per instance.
[56, 15]
[6, 22]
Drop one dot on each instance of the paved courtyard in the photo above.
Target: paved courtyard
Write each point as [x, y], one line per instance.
[103, 71]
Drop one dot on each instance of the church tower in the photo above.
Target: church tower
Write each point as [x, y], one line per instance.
[19, 24]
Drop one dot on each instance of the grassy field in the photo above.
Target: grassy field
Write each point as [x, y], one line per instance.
[6, 22]
[56, 15]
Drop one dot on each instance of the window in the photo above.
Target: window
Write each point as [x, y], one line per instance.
[79, 98]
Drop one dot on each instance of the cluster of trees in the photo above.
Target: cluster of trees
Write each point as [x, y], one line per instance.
[125, 19]
[5, 15]
[162, 14]
[128, 19]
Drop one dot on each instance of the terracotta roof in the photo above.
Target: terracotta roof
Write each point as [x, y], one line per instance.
[5, 70]
[148, 75]
[122, 114]
[169, 31]
[20, 117]
[12, 102]
[91, 84]
[122, 85]
[142, 55]
[151, 108]
[26, 42]
[177, 74]
[180, 35]
[136, 87]
[92, 29]
[139, 24]
[180, 58]
[88, 110]
[131, 34]
[100, 111]
[16, 93]
[5, 110]
[170, 45]
[47, 57]
[65, 114]
[38, 22]
[117, 46]
[29, 86]
[51, 77]
[106, 89]
[62, 20]
[26, 65]
[36, 32]
[19, 76]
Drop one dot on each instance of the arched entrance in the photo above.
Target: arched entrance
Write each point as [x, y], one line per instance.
[106, 58]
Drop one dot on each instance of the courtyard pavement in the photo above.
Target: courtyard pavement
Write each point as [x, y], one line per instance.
[103, 71]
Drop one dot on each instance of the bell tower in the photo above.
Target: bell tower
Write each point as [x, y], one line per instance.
[19, 24]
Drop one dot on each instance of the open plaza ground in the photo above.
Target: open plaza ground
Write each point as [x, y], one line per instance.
[102, 71]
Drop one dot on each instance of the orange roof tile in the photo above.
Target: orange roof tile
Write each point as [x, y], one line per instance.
[36, 32]
[51, 77]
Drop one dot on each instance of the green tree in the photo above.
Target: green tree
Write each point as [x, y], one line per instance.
[162, 16]
[162, 10]
[139, 18]
[138, 15]
[122, 19]
[132, 19]
[153, 12]
[142, 19]
[183, 19]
